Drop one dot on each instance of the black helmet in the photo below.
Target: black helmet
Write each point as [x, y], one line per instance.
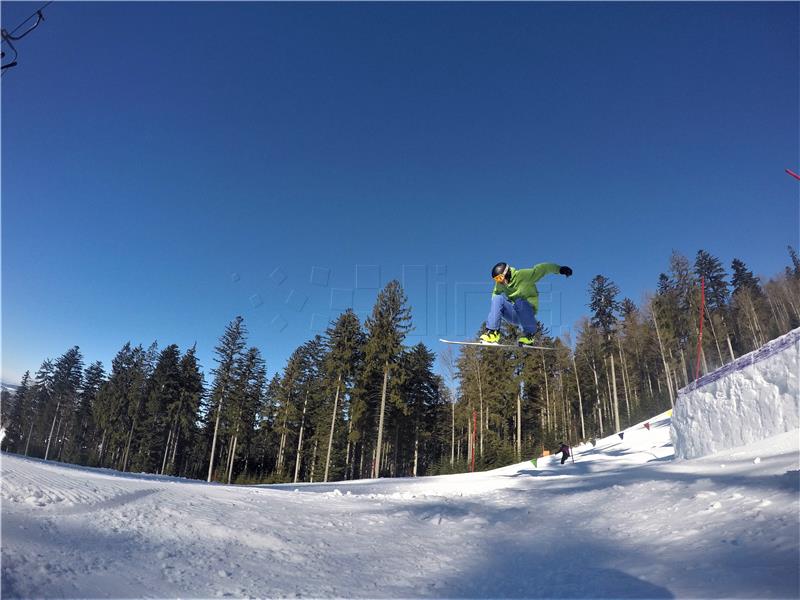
[500, 272]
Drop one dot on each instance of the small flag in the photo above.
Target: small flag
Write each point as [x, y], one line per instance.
[533, 460]
[621, 435]
[647, 426]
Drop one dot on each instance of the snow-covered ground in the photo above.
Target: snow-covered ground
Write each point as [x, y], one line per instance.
[625, 520]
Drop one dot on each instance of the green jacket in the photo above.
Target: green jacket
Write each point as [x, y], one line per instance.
[523, 283]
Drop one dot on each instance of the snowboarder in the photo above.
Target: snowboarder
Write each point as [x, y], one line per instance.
[564, 449]
[515, 299]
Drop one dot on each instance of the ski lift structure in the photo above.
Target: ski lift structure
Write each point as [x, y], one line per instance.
[10, 37]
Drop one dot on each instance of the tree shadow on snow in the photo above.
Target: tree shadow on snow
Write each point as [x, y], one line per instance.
[533, 549]
[551, 560]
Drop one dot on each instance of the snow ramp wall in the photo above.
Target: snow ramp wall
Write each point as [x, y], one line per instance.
[750, 399]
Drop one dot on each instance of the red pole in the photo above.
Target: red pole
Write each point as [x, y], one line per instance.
[793, 174]
[700, 337]
[474, 436]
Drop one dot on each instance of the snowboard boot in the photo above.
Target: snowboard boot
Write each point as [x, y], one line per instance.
[526, 340]
[491, 337]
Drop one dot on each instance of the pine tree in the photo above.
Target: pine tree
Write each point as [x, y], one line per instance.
[422, 398]
[140, 385]
[265, 437]
[748, 307]
[111, 408]
[344, 342]
[7, 401]
[287, 412]
[298, 398]
[228, 353]
[183, 456]
[710, 269]
[67, 376]
[627, 308]
[387, 327]
[163, 391]
[794, 272]
[83, 426]
[603, 303]
[249, 387]
[20, 417]
[743, 278]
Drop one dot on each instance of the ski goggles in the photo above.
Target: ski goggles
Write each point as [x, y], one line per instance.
[502, 276]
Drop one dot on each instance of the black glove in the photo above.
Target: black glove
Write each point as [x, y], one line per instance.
[565, 271]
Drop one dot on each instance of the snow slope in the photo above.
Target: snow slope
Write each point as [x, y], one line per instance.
[623, 521]
[749, 399]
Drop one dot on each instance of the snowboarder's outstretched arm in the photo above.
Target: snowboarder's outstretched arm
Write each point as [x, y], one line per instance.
[543, 269]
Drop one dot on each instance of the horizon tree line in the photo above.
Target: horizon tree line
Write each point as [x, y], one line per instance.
[357, 402]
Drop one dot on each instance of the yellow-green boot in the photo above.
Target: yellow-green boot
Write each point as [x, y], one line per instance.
[491, 337]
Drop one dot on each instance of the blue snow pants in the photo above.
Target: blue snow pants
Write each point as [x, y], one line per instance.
[519, 313]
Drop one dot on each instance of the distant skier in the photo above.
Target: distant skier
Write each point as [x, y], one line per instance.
[564, 449]
[515, 299]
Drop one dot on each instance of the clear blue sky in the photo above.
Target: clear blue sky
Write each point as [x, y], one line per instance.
[161, 161]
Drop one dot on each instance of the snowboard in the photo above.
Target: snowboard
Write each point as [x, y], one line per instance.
[495, 345]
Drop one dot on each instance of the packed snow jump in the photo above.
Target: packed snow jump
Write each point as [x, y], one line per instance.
[515, 300]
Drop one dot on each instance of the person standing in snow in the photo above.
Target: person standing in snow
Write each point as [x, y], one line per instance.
[564, 450]
[515, 299]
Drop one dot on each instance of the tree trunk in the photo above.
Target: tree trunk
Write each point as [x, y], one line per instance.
[778, 321]
[99, 454]
[663, 358]
[684, 362]
[480, 401]
[348, 466]
[675, 382]
[469, 433]
[714, 335]
[314, 460]
[166, 452]
[333, 426]
[597, 392]
[519, 422]
[600, 417]
[452, 433]
[730, 347]
[214, 442]
[580, 398]
[546, 393]
[616, 399]
[625, 385]
[377, 463]
[610, 404]
[300, 440]
[60, 437]
[175, 443]
[416, 448]
[130, 438]
[282, 446]
[52, 428]
[395, 465]
[232, 457]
